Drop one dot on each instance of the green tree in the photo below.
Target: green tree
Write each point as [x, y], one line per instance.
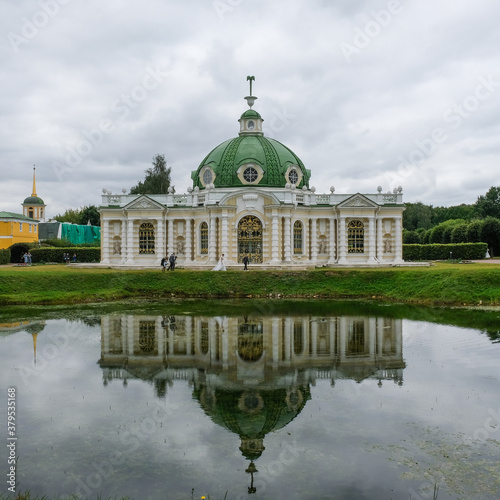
[81, 216]
[459, 233]
[410, 237]
[417, 215]
[71, 215]
[489, 204]
[474, 231]
[90, 213]
[157, 180]
[490, 233]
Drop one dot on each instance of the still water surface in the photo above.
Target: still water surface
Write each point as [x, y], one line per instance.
[153, 405]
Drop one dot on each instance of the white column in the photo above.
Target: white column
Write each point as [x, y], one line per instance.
[371, 240]
[212, 239]
[170, 240]
[342, 241]
[331, 259]
[189, 241]
[123, 234]
[314, 240]
[160, 240]
[398, 257]
[105, 241]
[380, 241]
[130, 241]
[288, 242]
[224, 236]
[274, 238]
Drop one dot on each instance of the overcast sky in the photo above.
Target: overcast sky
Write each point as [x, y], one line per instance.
[366, 93]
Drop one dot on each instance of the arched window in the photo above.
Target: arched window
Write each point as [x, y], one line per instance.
[297, 237]
[146, 238]
[204, 238]
[356, 237]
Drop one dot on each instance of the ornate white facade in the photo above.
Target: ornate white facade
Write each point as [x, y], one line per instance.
[251, 196]
[276, 227]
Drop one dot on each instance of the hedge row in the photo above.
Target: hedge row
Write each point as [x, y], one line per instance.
[4, 257]
[464, 251]
[49, 254]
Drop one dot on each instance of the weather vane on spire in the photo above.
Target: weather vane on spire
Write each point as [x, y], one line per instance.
[250, 98]
[250, 79]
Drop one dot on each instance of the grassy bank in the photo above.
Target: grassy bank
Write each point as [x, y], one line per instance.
[443, 284]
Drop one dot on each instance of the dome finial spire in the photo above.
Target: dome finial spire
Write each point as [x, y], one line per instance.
[34, 182]
[250, 98]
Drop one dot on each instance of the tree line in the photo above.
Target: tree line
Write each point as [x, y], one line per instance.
[478, 222]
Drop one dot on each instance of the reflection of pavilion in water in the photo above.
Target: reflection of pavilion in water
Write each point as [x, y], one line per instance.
[250, 374]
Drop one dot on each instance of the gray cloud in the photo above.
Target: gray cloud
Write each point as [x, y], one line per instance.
[165, 77]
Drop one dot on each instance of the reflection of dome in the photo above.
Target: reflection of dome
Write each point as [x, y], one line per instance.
[253, 413]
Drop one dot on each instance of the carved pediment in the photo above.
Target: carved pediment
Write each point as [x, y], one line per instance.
[357, 201]
[144, 203]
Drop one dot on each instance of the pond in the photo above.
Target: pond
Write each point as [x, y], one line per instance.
[262, 400]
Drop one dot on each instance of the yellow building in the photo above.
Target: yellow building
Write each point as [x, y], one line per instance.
[17, 228]
[22, 228]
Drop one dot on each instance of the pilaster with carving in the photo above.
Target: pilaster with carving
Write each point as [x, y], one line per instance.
[314, 240]
[342, 241]
[371, 240]
[380, 240]
[288, 242]
[189, 240]
[212, 239]
[105, 241]
[331, 259]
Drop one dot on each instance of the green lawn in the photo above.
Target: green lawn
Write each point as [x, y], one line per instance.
[442, 284]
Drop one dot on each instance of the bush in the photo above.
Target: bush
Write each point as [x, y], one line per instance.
[56, 242]
[52, 254]
[410, 237]
[490, 233]
[464, 251]
[459, 234]
[4, 256]
[474, 231]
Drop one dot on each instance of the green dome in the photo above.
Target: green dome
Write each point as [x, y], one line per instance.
[33, 200]
[250, 113]
[273, 160]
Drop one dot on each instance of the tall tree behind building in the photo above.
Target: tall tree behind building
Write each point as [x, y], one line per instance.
[157, 180]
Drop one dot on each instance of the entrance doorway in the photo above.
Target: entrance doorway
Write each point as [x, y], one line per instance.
[250, 239]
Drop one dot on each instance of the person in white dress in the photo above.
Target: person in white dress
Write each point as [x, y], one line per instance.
[220, 265]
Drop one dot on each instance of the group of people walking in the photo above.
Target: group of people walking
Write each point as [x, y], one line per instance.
[169, 263]
[26, 258]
